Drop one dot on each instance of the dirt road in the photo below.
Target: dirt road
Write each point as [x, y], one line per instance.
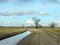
[37, 37]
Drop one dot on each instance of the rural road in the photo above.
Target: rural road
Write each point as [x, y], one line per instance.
[37, 38]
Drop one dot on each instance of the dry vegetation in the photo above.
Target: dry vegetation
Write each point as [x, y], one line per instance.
[7, 32]
[50, 29]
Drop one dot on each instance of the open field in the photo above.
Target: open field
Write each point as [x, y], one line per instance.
[8, 31]
[50, 29]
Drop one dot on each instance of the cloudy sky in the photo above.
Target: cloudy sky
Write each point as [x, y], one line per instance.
[20, 12]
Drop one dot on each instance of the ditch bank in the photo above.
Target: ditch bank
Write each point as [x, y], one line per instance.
[10, 35]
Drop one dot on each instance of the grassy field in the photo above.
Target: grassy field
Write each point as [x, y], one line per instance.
[10, 31]
[7, 32]
[53, 34]
[50, 29]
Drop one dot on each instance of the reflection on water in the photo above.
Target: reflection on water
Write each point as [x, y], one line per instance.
[13, 40]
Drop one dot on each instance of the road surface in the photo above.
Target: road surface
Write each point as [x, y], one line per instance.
[37, 37]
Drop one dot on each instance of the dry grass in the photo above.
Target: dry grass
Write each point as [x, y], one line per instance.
[50, 29]
[5, 32]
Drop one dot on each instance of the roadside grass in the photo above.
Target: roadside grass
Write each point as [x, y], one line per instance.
[10, 31]
[50, 29]
[55, 35]
[46, 29]
[57, 30]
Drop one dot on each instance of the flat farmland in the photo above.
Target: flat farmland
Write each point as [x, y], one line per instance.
[10, 31]
[51, 29]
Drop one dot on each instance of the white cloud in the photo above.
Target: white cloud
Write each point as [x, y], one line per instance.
[43, 13]
[51, 1]
[9, 23]
[22, 13]
[17, 13]
[29, 21]
[3, 0]
[23, 0]
[45, 1]
[58, 21]
[6, 23]
[27, 12]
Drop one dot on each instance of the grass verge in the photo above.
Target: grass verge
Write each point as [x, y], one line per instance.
[8, 32]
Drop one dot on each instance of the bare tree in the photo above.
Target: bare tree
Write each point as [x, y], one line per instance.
[36, 21]
[53, 25]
